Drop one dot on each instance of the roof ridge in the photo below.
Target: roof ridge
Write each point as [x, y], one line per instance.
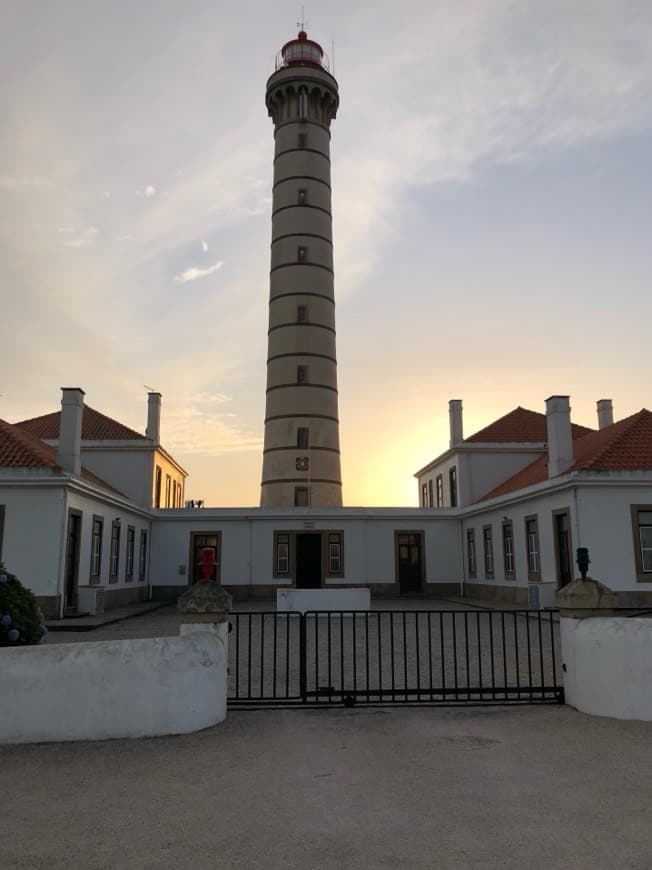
[91, 418]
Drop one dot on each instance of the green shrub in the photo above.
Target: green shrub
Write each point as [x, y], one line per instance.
[21, 621]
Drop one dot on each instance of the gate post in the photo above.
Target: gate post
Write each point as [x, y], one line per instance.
[206, 607]
[579, 601]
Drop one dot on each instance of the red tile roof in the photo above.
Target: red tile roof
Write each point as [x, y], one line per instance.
[20, 449]
[623, 446]
[95, 427]
[520, 426]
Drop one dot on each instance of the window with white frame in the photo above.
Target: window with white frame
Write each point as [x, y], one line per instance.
[508, 549]
[470, 552]
[335, 553]
[431, 498]
[282, 555]
[533, 552]
[115, 551]
[96, 546]
[487, 534]
[452, 480]
[644, 528]
[424, 495]
[439, 482]
[131, 546]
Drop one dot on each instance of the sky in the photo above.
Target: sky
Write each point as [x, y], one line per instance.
[491, 217]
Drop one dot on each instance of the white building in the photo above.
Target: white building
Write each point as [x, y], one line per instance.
[530, 490]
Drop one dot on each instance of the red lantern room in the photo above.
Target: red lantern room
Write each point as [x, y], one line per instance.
[302, 52]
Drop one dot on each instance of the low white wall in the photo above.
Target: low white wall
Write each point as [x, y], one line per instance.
[303, 600]
[107, 689]
[608, 666]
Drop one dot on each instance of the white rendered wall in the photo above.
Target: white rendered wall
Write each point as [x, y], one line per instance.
[541, 507]
[479, 470]
[33, 535]
[248, 543]
[110, 689]
[605, 527]
[109, 511]
[608, 666]
[128, 471]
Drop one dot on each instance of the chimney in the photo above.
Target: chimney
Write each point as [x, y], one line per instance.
[605, 413]
[154, 417]
[70, 430]
[560, 436]
[455, 418]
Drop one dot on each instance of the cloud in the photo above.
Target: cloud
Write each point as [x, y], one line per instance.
[24, 182]
[204, 246]
[194, 272]
[81, 241]
[148, 192]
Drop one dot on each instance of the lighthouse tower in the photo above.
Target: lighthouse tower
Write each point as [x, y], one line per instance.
[301, 457]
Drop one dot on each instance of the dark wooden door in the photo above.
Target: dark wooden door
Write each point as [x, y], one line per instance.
[564, 563]
[308, 561]
[72, 561]
[410, 561]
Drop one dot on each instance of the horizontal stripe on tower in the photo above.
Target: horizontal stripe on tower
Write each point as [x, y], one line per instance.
[300, 480]
[306, 263]
[301, 178]
[302, 124]
[309, 150]
[303, 205]
[303, 236]
[310, 449]
[301, 387]
[300, 416]
[301, 293]
[303, 325]
[302, 353]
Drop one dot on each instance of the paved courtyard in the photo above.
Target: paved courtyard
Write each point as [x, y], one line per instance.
[535, 787]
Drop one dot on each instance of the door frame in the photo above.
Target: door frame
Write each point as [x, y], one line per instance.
[422, 554]
[556, 513]
[72, 512]
[191, 554]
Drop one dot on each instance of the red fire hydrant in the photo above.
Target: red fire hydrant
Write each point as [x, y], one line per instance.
[207, 563]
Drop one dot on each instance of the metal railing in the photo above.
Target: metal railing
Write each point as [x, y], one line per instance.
[387, 657]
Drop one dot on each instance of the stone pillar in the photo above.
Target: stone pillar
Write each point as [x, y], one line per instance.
[205, 607]
[585, 598]
[580, 601]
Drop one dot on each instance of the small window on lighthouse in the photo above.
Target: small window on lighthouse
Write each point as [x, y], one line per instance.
[302, 196]
[303, 437]
[302, 313]
[302, 374]
[302, 254]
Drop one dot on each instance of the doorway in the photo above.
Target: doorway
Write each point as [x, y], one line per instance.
[308, 555]
[72, 562]
[198, 543]
[563, 548]
[409, 561]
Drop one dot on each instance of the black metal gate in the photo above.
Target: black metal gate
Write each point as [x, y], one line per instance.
[395, 656]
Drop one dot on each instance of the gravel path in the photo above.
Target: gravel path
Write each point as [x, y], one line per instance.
[334, 789]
